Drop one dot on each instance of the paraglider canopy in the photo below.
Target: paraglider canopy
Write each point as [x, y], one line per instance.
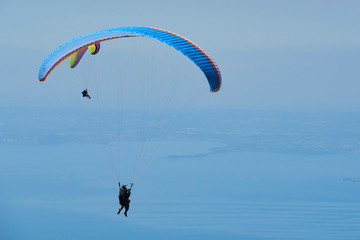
[77, 47]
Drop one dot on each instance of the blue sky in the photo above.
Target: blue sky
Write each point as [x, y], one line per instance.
[272, 54]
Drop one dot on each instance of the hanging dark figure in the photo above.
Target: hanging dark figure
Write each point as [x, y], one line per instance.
[124, 200]
[86, 94]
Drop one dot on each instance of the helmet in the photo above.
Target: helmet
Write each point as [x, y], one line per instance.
[123, 186]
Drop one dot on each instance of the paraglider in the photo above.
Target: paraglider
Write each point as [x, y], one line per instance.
[124, 195]
[86, 94]
[76, 48]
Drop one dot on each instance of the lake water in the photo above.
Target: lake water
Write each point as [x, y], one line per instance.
[188, 191]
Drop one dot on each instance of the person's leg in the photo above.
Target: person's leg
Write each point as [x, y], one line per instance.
[121, 207]
[127, 208]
